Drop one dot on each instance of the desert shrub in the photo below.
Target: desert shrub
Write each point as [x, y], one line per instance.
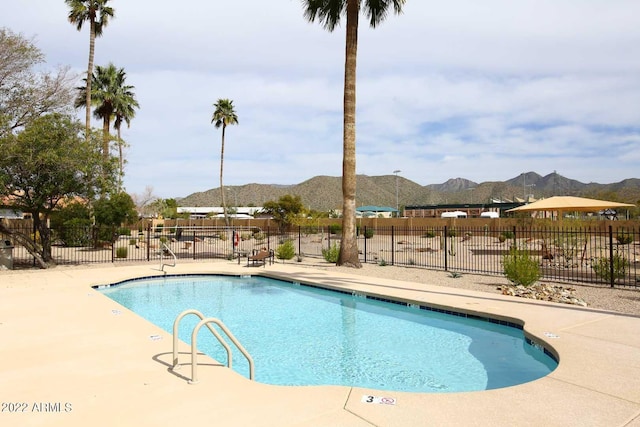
[382, 263]
[602, 267]
[368, 233]
[259, 236]
[624, 238]
[505, 235]
[76, 232]
[121, 252]
[245, 236]
[286, 250]
[335, 228]
[133, 241]
[520, 268]
[331, 254]
[452, 232]
[429, 234]
[223, 236]
[124, 231]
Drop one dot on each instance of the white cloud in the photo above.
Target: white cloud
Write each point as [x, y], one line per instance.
[480, 90]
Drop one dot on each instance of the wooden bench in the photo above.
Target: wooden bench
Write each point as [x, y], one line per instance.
[258, 257]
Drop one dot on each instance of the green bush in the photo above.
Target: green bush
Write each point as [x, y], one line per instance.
[335, 228]
[124, 231]
[76, 232]
[121, 252]
[133, 241]
[520, 268]
[624, 238]
[602, 267]
[368, 233]
[331, 254]
[286, 250]
[452, 232]
[508, 235]
[429, 234]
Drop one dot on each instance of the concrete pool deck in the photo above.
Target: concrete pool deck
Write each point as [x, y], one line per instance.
[71, 356]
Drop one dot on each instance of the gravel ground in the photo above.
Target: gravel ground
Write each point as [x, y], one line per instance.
[617, 299]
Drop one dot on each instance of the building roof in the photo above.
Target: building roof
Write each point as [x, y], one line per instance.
[376, 209]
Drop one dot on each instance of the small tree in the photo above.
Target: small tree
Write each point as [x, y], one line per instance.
[45, 163]
[285, 211]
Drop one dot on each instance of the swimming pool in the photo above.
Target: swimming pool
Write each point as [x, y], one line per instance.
[302, 335]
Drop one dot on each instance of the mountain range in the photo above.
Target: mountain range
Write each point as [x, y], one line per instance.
[324, 193]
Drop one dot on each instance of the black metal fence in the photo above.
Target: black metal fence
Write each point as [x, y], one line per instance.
[596, 256]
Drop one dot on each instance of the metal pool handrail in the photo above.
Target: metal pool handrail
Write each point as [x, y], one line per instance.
[175, 259]
[194, 337]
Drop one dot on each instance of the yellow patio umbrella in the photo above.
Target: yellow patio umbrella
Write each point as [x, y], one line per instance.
[569, 204]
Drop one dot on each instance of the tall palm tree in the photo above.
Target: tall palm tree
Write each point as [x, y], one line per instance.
[223, 115]
[329, 13]
[125, 104]
[97, 14]
[113, 99]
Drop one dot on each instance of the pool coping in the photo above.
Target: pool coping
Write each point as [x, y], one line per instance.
[69, 345]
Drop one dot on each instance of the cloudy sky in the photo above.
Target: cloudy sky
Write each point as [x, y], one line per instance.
[479, 90]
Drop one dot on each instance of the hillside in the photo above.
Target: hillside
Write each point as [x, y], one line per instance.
[325, 192]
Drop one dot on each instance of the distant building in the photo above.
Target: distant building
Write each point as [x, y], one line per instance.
[376, 212]
[240, 212]
[469, 209]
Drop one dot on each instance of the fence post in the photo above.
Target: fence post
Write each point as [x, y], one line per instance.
[515, 244]
[113, 248]
[611, 272]
[148, 242]
[194, 244]
[300, 241]
[446, 260]
[365, 244]
[393, 252]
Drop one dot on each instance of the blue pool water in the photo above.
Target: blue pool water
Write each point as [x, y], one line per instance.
[301, 335]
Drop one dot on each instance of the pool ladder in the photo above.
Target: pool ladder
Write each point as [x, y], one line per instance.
[194, 336]
[162, 263]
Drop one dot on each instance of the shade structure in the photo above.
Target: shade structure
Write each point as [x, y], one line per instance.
[570, 204]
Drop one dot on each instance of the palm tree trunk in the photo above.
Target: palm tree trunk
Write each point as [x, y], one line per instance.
[121, 174]
[349, 246]
[92, 46]
[222, 198]
[105, 139]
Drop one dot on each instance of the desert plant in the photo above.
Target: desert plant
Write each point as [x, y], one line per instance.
[331, 254]
[335, 228]
[602, 267]
[624, 238]
[121, 252]
[286, 250]
[124, 231]
[520, 268]
[259, 236]
[429, 234]
[368, 233]
[133, 241]
[382, 262]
